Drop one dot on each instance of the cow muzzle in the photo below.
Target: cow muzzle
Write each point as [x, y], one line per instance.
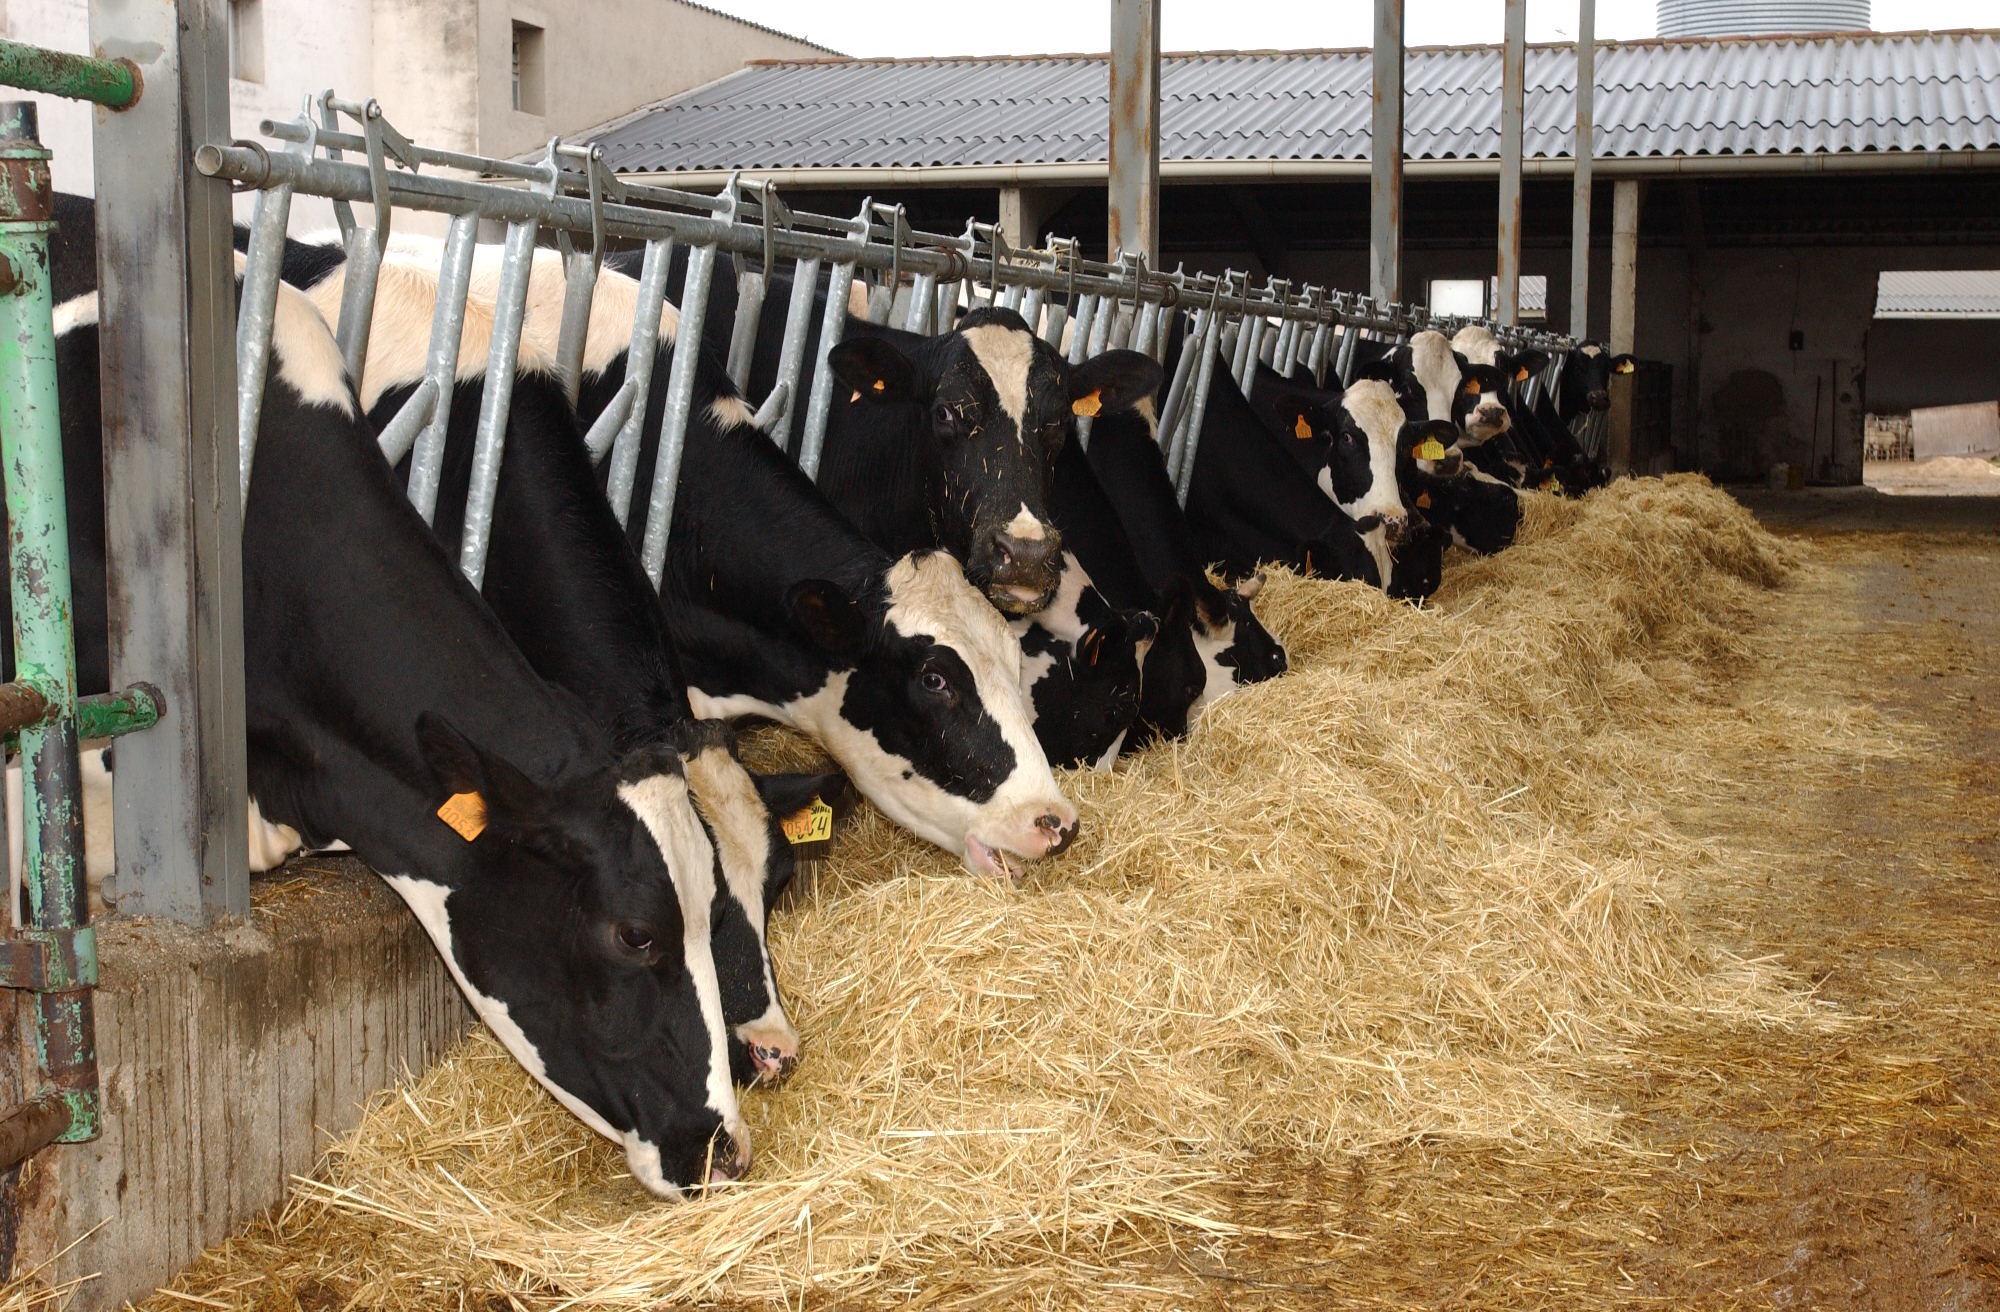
[1395, 528]
[1598, 399]
[1041, 830]
[1022, 573]
[729, 1157]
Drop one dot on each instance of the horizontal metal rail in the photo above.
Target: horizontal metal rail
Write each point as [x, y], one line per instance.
[113, 83]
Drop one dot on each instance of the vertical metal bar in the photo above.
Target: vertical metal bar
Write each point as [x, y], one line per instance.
[639, 361]
[1350, 341]
[1315, 360]
[833, 325]
[173, 519]
[1145, 323]
[1585, 151]
[1513, 70]
[1176, 402]
[1385, 177]
[947, 305]
[441, 363]
[1625, 195]
[253, 320]
[31, 449]
[1101, 331]
[1135, 130]
[680, 403]
[359, 276]
[1030, 308]
[917, 315]
[1079, 337]
[1197, 411]
[509, 307]
[792, 355]
[579, 292]
[743, 331]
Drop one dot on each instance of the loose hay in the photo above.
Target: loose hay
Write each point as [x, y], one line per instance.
[1418, 891]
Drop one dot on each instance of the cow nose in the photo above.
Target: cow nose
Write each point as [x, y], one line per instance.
[1024, 555]
[1598, 399]
[727, 1159]
[1060, 833]
[1394, 527]
[1490, 414]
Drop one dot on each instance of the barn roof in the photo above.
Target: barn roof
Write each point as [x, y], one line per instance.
[1827, 94]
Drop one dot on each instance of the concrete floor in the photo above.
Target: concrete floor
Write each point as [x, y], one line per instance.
[1864, 509]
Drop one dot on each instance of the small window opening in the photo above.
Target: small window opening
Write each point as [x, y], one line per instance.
[246, 40]
[1460, 296]
[528, 78]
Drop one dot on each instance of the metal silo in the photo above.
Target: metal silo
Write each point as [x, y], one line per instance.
[1750, 17]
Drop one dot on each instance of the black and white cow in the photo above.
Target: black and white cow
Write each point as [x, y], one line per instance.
[568, 887]
[1081, 669]
[777, 607]
[566, 584]
[1478, 513]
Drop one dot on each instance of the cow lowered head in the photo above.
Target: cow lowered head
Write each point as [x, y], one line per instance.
[996, 405]
[1080, 670]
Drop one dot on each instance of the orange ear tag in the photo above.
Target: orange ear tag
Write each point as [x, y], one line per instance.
[1521, 374]
[1626, 367]
[1429, 449]
[1301, 429]
[852, 399]
[1087, 405]
[1423, 501]
[880, 386]
[465, 813]
[1472, 387]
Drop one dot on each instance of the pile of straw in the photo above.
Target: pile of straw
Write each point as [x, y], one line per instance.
[1419, 890]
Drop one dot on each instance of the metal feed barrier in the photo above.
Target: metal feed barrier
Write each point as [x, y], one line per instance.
[920, 280]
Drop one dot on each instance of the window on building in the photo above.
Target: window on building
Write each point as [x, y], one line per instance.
[1534, 295]
[528, 71]
[246, 40]
[1464, 296]
[1938, 294]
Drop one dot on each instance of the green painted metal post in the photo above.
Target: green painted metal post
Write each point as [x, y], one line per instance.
[44, 646]
[113, 83]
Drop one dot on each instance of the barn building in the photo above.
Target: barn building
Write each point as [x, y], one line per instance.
[1776, 180]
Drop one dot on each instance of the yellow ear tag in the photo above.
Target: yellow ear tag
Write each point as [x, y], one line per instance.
[1472, 387]
[1626, 367]
[465, 813]
[1423, 501]
[1429, 449]
[1521, 374]
[1086, 405]
[813, 824]
[1301, 429]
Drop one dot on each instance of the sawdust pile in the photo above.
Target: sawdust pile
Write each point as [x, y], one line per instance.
[1419, 890]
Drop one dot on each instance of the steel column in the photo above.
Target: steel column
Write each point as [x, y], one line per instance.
[1513, 76]
[173, 516]
[1583, 151]
[1385, 148]
[1135, 130]
[1625, 196]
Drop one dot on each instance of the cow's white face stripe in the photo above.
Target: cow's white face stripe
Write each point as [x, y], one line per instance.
[1006, 355]
[661, 802]
[1591, 349]
[1379, 415]
[1024, 525]
[1377, 542]
[730, 804]
[1209, 644]
[1110, 757]
[1436, 371]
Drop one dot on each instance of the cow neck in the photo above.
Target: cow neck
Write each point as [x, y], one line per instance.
[1134, 479]
[1093, 529]
[1240, 464]
[375, 589]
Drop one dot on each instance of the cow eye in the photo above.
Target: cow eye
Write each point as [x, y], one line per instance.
[635, 938]
[934, 682]
[944, 415]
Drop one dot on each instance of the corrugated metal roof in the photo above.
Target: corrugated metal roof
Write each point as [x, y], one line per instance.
[1938, 294]
[1828, 93]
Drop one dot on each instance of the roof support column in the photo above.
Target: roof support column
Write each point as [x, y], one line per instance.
[1625, 196]
[1513, 70]
[1385, 147]
[1584, 150]
[1135, 129]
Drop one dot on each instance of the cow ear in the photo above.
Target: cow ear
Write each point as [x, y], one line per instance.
[828, 618]
[1534, 361]
[463, 769]
[1248, 588]
[791, 792]
[1143, 625]
[1118, 380]
[1301, 418]
[873, 369]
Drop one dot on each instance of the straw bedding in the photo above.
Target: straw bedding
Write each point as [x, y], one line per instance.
[1420, 891]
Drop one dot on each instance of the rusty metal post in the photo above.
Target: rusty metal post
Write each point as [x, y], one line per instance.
[1513, 78]
[1585, 151]
[1385, 144]
[1135, 130]
[173, 513]
[55, 956]
[1626, 194]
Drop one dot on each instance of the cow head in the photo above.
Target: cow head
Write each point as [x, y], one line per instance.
[1359, 475]
[1080, 666]
[743, 815]
[1425, 450]
[1586, 379]
[582, 937]
[997, 405]
[924, 711]
[1481, 407]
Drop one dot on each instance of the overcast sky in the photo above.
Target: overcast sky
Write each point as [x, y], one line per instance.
[1024, 27]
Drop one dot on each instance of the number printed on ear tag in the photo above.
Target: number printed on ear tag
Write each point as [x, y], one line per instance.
[465, 813]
